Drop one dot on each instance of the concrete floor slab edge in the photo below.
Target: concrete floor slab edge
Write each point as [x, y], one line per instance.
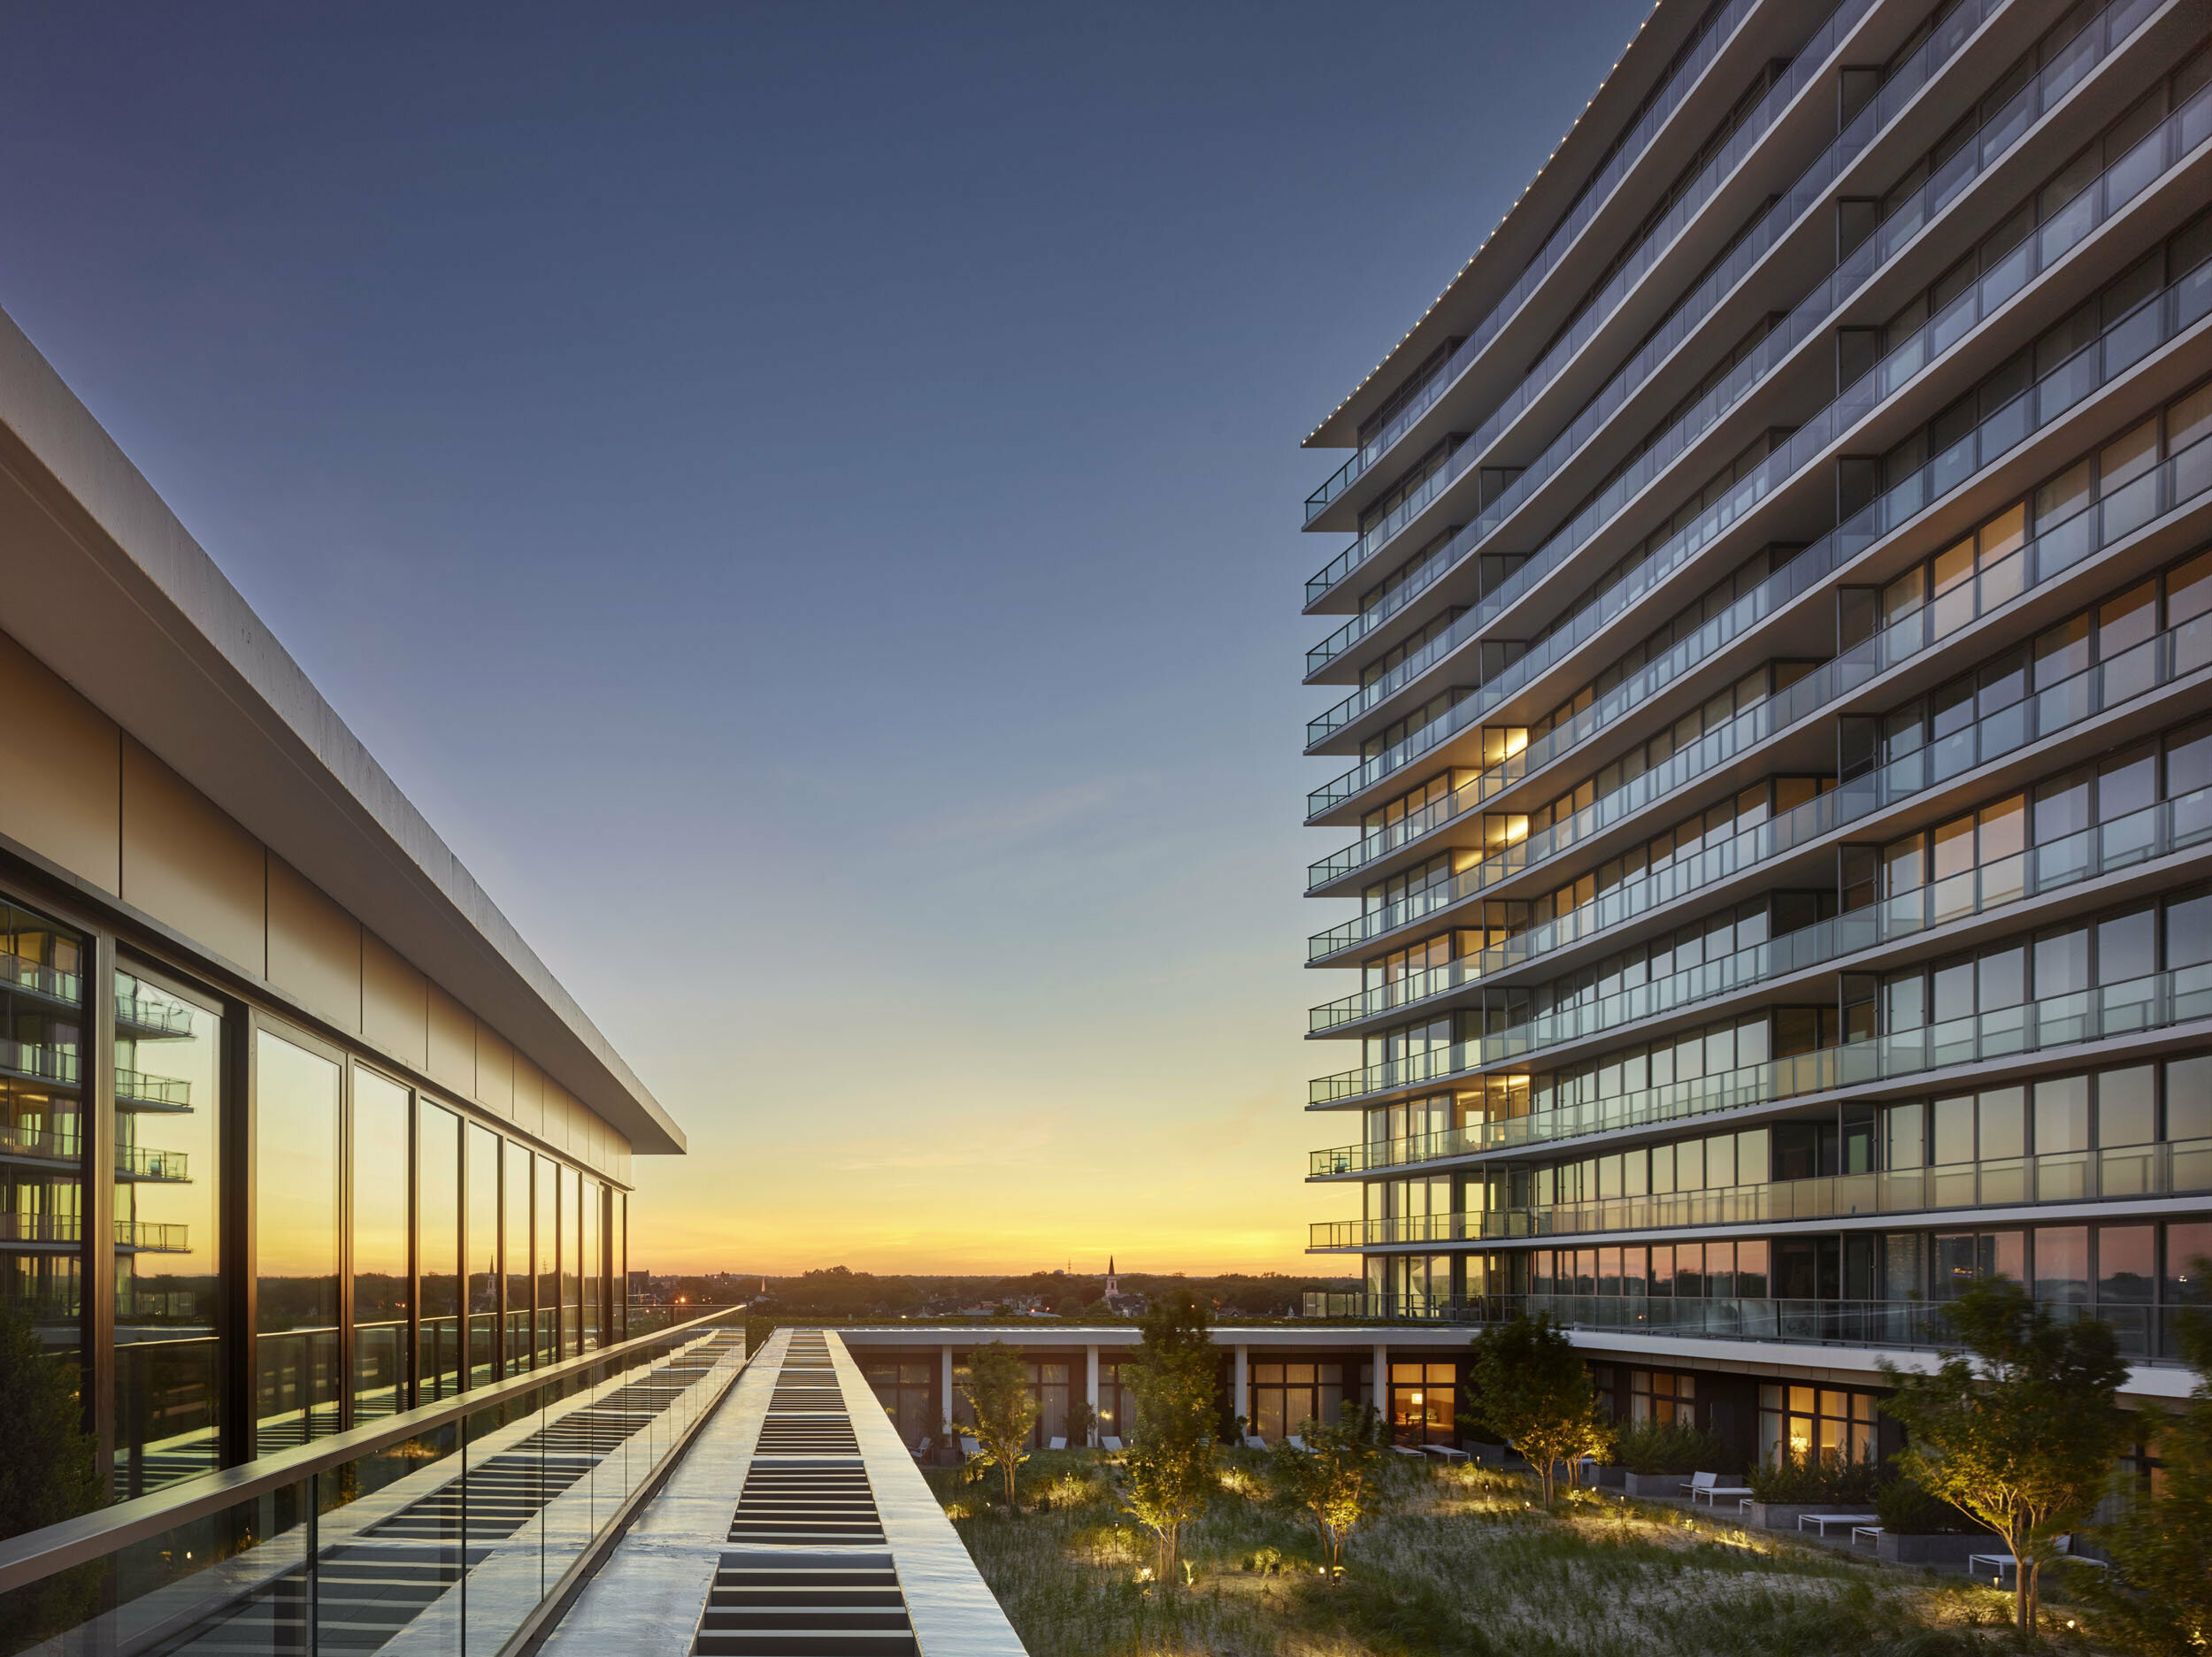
[952, 1608]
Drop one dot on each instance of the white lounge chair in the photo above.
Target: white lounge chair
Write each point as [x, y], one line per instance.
[1999, 1565]
[1107, 1441]
[1871, 1532]
[970, 1446]
[1707, 1487]
[1253, 1441]
[1445, 1453]
[921, 1446]
[1056, 1444]
[1820, 1522]
[1295, 1442]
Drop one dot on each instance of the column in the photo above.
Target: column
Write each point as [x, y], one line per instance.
[1243, 1405]
[944, 1382]
[1378, 1394]
[1090, 1388]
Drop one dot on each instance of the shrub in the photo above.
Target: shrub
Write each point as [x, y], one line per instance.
[1651, 1446]
[1812, 1477]
[1906, 1510]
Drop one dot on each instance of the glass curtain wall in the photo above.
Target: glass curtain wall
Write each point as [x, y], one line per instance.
[591, 1255]
[622, 1265]
[296, 1243]
[168, 1098]
[571, 1257]
[438, 1251]
[483, 1254]
[548, 1229]
[383, 1277]
[42, 1145]
[519, 1343]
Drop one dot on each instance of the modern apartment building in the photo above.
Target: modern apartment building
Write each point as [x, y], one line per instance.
[297, 1135]
[1768, 677]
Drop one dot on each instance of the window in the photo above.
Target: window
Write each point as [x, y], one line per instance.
[168, 1267]
[1421, 1399]
[296, 1243]
[1662, 1396]
[483, 1254]
[383, 1290]
[1284, 1396]
[519, 1256]
[438, 1250]
[1824, 1421]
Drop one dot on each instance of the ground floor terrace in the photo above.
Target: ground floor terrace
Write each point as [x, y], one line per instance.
[1756, 1395]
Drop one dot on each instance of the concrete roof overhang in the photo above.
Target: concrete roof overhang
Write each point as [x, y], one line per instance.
[100, 580]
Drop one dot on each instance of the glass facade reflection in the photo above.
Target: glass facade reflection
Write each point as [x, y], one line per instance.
[296, 1243]
[383, 1278]
[483, 1254]
[300, 1242]
[42, 1135]
[168, 1267]
[518, 1258]
[438, 1250]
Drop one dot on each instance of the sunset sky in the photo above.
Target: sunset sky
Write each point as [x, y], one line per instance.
[808, 508]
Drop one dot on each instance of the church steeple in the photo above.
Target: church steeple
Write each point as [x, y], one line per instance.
[1113, 1281]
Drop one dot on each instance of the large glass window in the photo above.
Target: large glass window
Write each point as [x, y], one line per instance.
[519, 1258]
[548, 1232]
[572, 1261]
[168, 1098]
[1821, 1422]
[1287, 1396]
[594, 1264]
[483, 1254]
[296, 1243]
[438, 1249]
[41, 997]
[383, 1287]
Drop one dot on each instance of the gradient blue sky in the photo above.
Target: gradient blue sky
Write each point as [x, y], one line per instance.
[805, 499]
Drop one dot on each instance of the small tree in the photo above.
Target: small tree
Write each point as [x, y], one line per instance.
[2021, 1436]
[2157, 1598]
[1169, 1470]
[1336, 1480]
[1533, 1388]
[998, 1391]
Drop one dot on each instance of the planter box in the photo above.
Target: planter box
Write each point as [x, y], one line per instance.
[1784, 1515]
[1647, 1486]
[1606, 1478]
[1490, 1454]
[1933, 1550]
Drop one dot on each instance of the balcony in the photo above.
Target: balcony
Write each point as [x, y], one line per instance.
[1631, 149]
[38, 1062]
[1812, 315]
[2148, 667]
[145, 1163]
[2158, 1001]
[2147, 1334]
[27, 977]
[144, 1015]
[1810, 63]
[69, 1229]
[2150, 326]
[2119, 1175]
[2139, 837]
[139, 1090]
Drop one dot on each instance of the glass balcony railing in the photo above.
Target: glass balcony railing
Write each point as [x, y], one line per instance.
[1594, 194]
[144, 1014]
[2186, 647]
[2171, 826]
[2154, 1002]
[58, 1142]
[2117, 1175]
[1897, 92]
[20, 973]
[38, 1062]
[142, 1162]
[2147, 1334]
[69, 1228]
[1997, 137]
[2156, 831]
[139, 1090]
[2178, 482]
[343, 1541]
